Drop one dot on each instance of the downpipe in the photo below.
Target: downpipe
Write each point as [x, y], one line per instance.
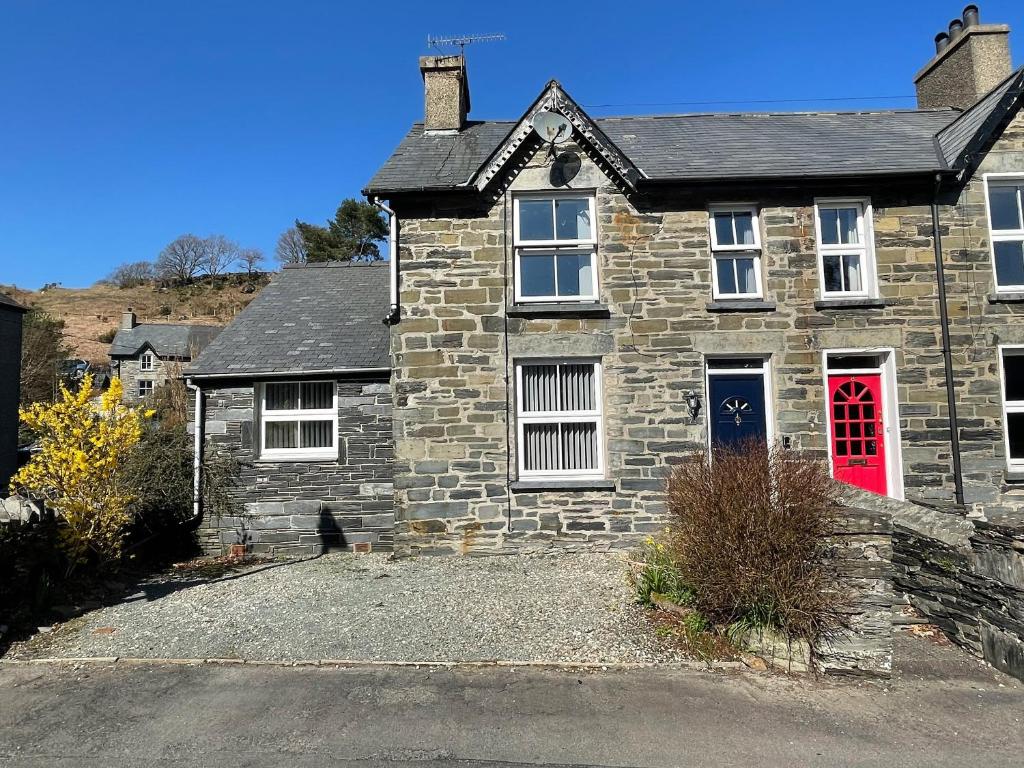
[197, 457]
[947, 354]
[393, 311]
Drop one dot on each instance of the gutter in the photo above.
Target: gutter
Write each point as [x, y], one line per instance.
[283, 374]
[393, 310]
[947, 354]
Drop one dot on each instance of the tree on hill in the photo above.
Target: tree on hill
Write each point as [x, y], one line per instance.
[291, 248]
[353, 234]
[182, 259]
[133, 274]
[219, 254]
[251, 259]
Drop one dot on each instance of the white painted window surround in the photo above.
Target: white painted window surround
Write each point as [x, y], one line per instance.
[559, 419]
[147, 362]
[845, 243]
[735, 251]
[555, 239]
[1011, 377]
[1004, 199]
[298, 420]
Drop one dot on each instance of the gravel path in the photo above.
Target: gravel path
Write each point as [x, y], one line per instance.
[563, 607]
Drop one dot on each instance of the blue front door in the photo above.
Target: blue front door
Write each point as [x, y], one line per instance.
[736, 408]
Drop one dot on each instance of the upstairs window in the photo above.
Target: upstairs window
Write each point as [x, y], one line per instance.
[1006, 218]
[1012, 371]
[298, 420]
[147, 362]
[735, 252]
[845, 253]
[555, 243]
[558, 415]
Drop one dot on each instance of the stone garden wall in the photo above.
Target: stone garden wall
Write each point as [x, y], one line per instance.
[967, 577]
[306, 507]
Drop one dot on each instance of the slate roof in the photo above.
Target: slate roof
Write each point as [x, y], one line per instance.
[310, 318]
[958, 136]
[708, 147]
[166, 339]
[8, 303]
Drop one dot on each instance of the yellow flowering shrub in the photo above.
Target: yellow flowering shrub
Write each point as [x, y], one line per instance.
[79, 468]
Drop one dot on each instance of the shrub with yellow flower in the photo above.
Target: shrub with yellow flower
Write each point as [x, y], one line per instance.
[79, 468]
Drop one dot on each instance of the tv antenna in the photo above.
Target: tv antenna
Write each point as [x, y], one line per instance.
[462, 41]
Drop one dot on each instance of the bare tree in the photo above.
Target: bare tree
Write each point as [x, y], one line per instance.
[43, 348]
[291, 248]
[219, 254]
[182, 259]
[132, 274]
[251, 259]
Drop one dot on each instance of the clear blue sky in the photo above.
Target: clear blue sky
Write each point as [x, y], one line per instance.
[125, 124]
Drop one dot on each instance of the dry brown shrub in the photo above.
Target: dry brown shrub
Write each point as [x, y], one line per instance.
[752, 536]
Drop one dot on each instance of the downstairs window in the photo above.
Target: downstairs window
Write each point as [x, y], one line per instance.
[1012, 370]
[559, 419]
[298, 420]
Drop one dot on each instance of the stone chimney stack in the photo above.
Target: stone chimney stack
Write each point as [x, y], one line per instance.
[128, 320]
[970, 60]
[446, 92]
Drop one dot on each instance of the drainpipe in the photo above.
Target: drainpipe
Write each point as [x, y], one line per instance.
[947, 354]
[393, 314]
[197, 456]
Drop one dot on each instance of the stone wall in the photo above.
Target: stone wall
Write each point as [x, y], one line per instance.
[966, 576]
[452, 364]
[306, 507]
[10, 387]
[129, 370]
[979, 322]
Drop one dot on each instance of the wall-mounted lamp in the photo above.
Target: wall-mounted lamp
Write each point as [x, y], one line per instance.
[692, 403]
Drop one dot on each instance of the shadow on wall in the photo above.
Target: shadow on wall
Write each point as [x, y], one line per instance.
[330, 534]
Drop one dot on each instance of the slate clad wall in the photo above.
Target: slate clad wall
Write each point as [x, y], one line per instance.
[307, 507]
[966, 576]
[655, 274]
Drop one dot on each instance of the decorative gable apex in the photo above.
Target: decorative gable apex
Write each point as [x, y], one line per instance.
[585, 130]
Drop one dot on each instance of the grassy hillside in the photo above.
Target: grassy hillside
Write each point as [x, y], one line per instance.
[90, 312]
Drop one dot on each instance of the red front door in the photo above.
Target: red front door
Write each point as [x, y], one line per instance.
[858, 443]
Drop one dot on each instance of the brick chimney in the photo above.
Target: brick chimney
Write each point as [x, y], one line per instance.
[970, 59]
[446, 92]
[128, 320]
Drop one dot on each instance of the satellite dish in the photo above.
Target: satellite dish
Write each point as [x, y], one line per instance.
[552, 127]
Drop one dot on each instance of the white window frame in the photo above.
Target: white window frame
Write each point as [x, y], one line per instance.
[559, 417]
[147, 363]
[588, 245]
[1016, 406]
[865, 249]
[732, 252]
[300, 415]
[1002, 235]
[138, 387]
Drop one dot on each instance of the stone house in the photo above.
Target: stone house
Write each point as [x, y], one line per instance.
[145, 355]
[577, 303]
[11, 314]
[297, 390]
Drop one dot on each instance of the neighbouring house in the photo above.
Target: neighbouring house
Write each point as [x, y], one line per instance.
[10, 386]
[580, 301]
[146, 355]
[297, 391]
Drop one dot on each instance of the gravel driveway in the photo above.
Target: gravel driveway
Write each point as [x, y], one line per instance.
[564, 608]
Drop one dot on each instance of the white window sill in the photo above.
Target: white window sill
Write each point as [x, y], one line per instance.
[297, 456]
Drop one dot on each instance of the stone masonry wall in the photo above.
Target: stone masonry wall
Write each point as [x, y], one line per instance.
[979, 322]
[451, 368]
[966, 576]
[129, 370]
[307, 507]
